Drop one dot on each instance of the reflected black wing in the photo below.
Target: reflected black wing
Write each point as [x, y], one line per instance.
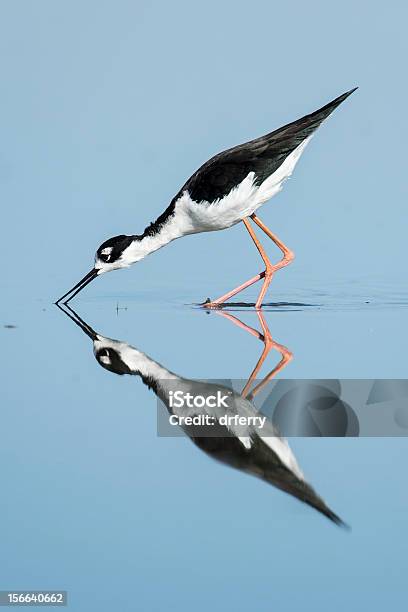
[259, 460]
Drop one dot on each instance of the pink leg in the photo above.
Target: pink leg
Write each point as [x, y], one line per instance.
[269, 271]
[216, 303]
[233, 292]
[288, 257]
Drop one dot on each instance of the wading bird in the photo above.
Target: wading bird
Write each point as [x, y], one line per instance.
[227, 189]
[251, 446]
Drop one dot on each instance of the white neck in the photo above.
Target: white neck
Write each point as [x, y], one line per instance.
[176, 226]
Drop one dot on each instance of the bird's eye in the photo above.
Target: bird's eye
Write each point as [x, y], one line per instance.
[105, 254]
[104, 356]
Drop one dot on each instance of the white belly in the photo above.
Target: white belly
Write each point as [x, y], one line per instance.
[240, 203]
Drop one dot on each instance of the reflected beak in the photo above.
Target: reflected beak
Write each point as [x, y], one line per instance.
[79, 286]
[70, 312]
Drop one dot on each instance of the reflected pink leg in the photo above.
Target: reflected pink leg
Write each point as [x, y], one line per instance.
[269, 344]
[241, 324]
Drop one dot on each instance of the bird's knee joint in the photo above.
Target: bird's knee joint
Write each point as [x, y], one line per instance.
[289, 257]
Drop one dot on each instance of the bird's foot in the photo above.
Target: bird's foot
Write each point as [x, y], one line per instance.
[210, 304]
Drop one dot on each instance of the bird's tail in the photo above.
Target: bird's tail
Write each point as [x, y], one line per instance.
[305, 126]
[322, 113]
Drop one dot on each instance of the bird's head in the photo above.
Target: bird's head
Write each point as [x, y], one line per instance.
[111, 255]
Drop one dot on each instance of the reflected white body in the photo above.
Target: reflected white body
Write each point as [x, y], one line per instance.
[167, 381]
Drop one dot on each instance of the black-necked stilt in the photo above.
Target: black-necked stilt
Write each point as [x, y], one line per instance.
[227, 189]
[253, 446]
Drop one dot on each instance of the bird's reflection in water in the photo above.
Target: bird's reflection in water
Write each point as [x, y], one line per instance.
[255, 447]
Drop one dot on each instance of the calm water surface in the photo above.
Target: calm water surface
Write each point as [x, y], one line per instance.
[94, 502]
[106, 112]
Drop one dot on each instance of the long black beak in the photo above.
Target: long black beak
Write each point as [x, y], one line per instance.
[79, 286]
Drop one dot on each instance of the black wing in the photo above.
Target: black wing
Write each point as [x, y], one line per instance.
[264, 155]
